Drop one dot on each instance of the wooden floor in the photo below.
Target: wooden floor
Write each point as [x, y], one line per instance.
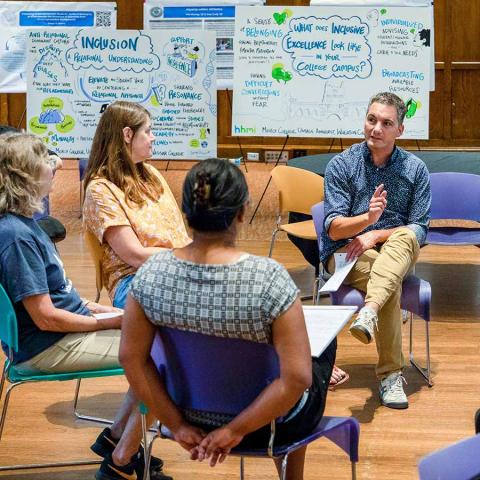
[40, 425]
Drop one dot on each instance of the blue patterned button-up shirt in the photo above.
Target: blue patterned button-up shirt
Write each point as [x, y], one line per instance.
[351, 179]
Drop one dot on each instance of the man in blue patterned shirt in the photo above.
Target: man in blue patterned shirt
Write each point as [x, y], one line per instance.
[377, 209]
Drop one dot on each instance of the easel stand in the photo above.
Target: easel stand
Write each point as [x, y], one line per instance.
[331, 145]
[238, 138]
[21, 118]
[269, 180]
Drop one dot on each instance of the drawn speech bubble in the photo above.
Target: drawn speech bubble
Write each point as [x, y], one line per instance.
[118, 51]
[329, 47]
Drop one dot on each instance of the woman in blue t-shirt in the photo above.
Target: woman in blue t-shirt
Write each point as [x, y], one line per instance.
[57, 330]
[212, 287]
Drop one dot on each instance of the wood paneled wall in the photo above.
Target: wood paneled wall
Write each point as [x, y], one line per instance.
[454, 105]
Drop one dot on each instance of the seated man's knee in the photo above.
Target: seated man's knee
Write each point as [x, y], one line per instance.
[405, 234]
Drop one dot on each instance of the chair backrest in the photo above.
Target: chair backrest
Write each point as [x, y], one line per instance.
[455, 196]
[318, 215]
[96, 252]
[82, 166]
[459, 461]
[8, 321]
[299, 189]
[213, 374]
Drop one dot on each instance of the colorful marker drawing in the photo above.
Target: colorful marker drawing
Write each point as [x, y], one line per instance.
[184, 58]
[279, 73]
[280, 18]
[412, 107]
[51, 114]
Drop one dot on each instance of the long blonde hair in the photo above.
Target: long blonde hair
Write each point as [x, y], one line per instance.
[22, 156]
[110, 157]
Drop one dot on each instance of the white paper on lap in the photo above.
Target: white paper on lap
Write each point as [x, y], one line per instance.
[324, 323]
[342, 269]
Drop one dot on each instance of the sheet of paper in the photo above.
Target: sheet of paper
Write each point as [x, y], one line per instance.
[342, 268]
[106, 315]
[324, 323]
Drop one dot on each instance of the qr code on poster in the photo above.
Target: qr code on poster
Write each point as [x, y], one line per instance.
[103, 19]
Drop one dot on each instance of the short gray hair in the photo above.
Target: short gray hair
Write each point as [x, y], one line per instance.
[21, 157]
[387, 98]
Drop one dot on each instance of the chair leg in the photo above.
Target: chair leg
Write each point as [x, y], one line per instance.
[425, 372]
[33, 465]
[5, 405]
[316, 288]
[319, 283]
[81, 416]
[272, 241]
[147, 447]
[4, 410]
[242, 468]
[283, 475]
[2, 381]
[354, 471]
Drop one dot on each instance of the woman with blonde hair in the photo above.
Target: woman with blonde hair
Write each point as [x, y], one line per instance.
[57, 330]
[128, 205]
[53, 320]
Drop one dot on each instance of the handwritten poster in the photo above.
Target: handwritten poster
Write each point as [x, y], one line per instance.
[17, 17]
[73, 75]
[394, 3]
[310, 71]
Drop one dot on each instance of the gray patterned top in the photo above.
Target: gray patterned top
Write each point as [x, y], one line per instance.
[238, 300]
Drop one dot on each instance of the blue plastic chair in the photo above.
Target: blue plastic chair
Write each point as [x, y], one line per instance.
[9, 336]
[234, 372]
[455, 196]
[416, 298]
[459, 461]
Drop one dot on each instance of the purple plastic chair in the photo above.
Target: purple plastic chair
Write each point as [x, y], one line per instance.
[416, 298]
[459, 461]
[82, 166]
[233, 373]
[455, 196]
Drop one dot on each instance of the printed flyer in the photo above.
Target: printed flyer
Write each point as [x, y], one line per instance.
[217, 16]
[17, 17]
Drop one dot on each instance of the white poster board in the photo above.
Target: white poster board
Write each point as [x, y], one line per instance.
[310, 71]
[73, 75]
[217, 16]
[383, 3]
[16, 17]
[394, 3]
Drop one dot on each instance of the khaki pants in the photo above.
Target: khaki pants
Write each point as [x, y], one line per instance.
[379, 273]
[76, 352]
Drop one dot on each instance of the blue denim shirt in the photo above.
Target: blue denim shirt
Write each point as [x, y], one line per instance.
[350, 180]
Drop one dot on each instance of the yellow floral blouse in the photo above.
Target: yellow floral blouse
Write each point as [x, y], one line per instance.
[156, 224]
